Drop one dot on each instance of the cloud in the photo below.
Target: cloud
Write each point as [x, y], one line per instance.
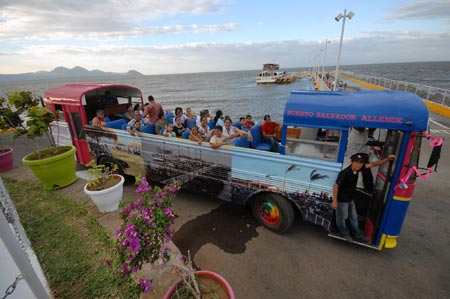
[67, 19]
[421, 10]
[373, 47]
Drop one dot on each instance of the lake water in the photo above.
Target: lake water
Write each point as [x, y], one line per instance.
[236, 93]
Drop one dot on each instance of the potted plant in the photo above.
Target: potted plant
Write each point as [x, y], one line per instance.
[143, 238]
[53, 166]
[105, 187]
[9, 121]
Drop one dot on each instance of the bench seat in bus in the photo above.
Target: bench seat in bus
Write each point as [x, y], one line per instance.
[150, 129]
[116, 124]
[257, 141]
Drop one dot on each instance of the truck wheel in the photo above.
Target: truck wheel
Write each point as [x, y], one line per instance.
[274, 212]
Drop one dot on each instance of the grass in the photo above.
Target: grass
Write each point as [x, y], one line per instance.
[70, 244]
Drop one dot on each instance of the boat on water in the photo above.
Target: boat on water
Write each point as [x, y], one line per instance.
[271, 74]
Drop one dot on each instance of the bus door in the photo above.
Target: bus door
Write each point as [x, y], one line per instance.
[382, 185]
[74, 116]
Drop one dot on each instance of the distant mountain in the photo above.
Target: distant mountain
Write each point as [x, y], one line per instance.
[62, 72]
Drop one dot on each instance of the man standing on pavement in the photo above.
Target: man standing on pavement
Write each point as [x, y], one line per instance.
[152, 110]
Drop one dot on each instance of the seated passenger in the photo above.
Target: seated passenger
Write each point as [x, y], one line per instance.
[230, 133]
[179, 112]
[218, 119]
[204, 129]
[178, 128]
[129, 114]
[168, 132]
[137, 118]
[249, 122]
[161, 123]
[108, 98]
[195, 135]
[189, 115]
[217, 140]
[269, 134]
[136, 130]
[204, 113]
[99, 120]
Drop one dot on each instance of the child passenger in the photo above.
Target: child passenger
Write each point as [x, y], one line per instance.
[168, 132]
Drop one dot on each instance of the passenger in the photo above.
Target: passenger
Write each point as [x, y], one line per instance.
[195, 135]
[344, 194]
[205, 113]
[99, 120]
[152, 110]
[204, 129]
[189, 115]
[249, 122]
[269, 134]
[217, 140]
[137, 118]
[357, 142]
[178, 128]
[108, 98]
[242, 125]
[129, 114]
[161, 123]
[168, 132]
[179, 112]
[136, 130]
[218, 119]
[138, 107]
[230, 133]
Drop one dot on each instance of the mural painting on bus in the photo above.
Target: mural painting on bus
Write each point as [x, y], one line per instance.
[307, 182]
[123, 147]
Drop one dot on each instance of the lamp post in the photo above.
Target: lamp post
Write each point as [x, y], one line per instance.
[338, 18]
[324, 58]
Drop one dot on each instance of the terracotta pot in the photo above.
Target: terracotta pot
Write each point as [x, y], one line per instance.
[6, 159]
[107, 200]
[225, 286]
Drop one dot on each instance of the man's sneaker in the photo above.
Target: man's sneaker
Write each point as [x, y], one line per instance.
[348, 238]
[362, 238]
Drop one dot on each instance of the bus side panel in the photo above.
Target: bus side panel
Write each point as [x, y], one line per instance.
[229, 173]
[308, 183]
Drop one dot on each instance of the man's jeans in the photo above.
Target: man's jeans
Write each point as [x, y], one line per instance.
[347, 210]
[274, 146]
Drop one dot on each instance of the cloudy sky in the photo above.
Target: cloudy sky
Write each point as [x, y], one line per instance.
[183, 36]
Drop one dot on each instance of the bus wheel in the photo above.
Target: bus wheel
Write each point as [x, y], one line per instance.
[274, 212]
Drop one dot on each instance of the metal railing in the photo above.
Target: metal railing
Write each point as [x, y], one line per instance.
[430, 93]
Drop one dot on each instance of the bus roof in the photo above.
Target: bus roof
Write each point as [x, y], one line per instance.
[76, 91]
[371, 109]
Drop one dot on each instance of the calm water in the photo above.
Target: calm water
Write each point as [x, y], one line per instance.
[236, 93]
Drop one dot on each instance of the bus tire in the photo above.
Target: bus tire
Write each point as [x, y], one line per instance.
[273, 211]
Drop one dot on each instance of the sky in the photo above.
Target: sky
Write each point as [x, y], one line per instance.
[169, 36]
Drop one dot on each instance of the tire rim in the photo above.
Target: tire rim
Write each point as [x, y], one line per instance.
[269, 212]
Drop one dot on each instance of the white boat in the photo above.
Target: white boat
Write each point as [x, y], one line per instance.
[271, 74]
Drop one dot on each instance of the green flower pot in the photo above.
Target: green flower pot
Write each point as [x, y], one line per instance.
[56, 171]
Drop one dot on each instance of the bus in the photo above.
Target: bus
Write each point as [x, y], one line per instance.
[296, 182]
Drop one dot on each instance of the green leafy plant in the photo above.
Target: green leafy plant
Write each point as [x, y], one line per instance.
[101, 176]
[10, 121]
[37, 119]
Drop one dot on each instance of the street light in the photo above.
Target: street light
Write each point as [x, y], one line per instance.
[338, 18]
[324, 57]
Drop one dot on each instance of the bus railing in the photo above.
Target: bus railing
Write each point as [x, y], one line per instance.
[430, 93]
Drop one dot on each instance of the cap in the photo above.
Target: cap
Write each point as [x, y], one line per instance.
[357, 158]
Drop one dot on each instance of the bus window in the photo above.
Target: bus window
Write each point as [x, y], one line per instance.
[392, 146]
[77, 126]
[313, 142]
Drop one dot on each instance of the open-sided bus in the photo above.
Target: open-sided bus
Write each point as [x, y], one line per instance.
[277, 186]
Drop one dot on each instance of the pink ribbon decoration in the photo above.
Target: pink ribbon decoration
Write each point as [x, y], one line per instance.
[435, 141]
